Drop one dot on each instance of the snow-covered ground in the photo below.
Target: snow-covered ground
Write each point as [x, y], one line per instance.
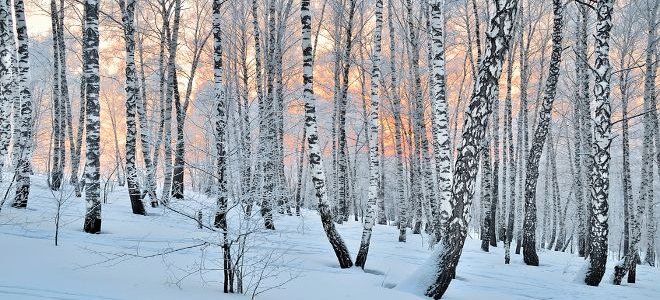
[146, 257]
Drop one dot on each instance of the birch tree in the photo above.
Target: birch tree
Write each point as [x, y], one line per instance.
[540, 134]
[600, 147]
[374, 176]
[5, 83]
[475, 123]
[93, 125]
[442, 150]
[315, 158]
[398, 127]
[171, 92]
[132, 95]
[24, 142]
[220, 145]
[56, 170]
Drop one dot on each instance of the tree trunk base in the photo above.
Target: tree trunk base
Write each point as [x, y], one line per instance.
[92, 225]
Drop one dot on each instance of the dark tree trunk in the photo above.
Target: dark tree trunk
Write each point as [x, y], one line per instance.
[529, 240]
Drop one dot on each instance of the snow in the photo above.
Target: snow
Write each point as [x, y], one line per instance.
[108, 266]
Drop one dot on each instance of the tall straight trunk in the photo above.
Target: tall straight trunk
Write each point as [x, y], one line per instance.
[475, 124]
[266, 138]
[398, 127]
[495, 180]
[556, 196]
[93, 138]
[65, 102]
[301, 163]
[508, 112]
[220, 124]
[600, 147]
[540, 134]
[23, 167]
[5, 83]
[132, 95]
[283, 196]
[441, 145]
[584, 94]
[561, 216]
[145, 131]
[246, 172]
[170, 93]
[15, 88]
[486, 188]
[631, 229]
[336, 76]
[181, 109]
[374, 178]
[382, 215]
[270, 168]
[651, 98]
[523, 124]
[162, 80]
[414, 120]
[82, 119]
[56, 169]
[67, 117]
[546, 202]
[315, 158]
[579, 175]
[342, 156]
[421, 139]
[507, 144]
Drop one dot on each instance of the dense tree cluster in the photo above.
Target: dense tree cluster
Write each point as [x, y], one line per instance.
[514, 119]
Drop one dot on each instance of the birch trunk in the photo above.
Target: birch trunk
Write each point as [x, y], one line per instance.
[315, 158]
[24, 145]
[374, 163]
[93, 124]
[132, 95]
[540, 134]
[475, 124]
[600, 147]
[5, 84]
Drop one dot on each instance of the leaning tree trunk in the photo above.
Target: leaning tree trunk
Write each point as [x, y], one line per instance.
[529, 238]
[465, 170]
[132, 94]
[23, 167]
[601, 147]
[92, 163]
[315, 158]
[374, 178]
